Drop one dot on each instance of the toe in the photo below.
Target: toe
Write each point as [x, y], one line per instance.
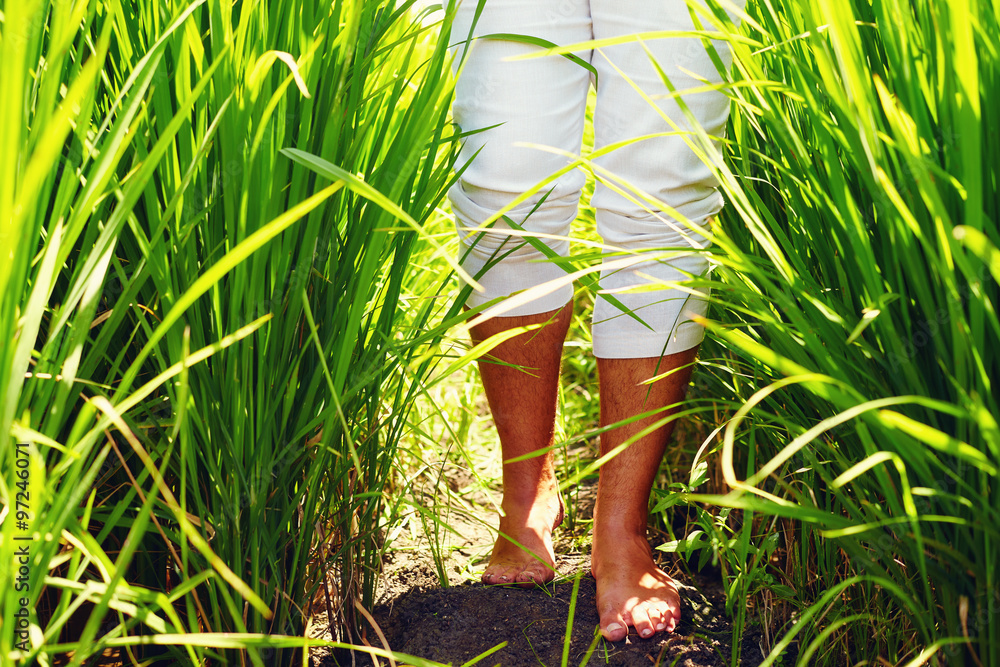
[641, 621]
[498, 575]
[613, 626]
[534, 575]
[656, 618]
[528, 579]
[673, 618]
[669, 614]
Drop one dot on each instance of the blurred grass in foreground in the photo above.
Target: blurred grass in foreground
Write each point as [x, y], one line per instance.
[207, 211]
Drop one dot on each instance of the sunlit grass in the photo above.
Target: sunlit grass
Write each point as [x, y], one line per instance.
[208, 211]
[224, 296]
[861, 153]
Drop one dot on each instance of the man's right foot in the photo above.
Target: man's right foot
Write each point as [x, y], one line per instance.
[531, 561]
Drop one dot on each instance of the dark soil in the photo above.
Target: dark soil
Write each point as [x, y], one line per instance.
[457, 623]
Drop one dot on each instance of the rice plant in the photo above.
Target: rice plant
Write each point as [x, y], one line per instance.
[207, 211]
[857, 278]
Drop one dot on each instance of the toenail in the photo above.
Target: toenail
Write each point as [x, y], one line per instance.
[661, 626]
[647, 632]
[614, 627]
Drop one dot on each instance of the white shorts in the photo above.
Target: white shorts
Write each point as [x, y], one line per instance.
[542, 101]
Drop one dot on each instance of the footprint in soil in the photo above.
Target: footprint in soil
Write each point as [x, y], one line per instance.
[455, 625]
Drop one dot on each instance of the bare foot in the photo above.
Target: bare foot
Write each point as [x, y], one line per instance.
[531, 561]
[631, 590]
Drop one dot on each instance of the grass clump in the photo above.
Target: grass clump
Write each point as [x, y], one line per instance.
[857, 272]
[208, 211]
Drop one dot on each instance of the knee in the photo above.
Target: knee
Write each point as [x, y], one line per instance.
[543, 217]
[645, 231]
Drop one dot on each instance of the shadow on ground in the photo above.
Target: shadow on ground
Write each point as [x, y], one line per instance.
[457, 624]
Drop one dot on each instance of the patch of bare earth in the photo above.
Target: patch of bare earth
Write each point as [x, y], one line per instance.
[457, 623]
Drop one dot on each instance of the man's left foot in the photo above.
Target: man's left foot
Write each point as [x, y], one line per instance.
[631, 590]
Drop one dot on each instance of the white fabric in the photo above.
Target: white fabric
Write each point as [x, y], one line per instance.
[542, 101]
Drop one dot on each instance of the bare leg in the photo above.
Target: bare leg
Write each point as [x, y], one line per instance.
[631, 590]
[523, 398]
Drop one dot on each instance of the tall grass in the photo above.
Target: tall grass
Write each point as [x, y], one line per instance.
[857, 277]
[207, 215]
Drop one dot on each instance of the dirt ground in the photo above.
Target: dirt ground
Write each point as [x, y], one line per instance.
[457, 623]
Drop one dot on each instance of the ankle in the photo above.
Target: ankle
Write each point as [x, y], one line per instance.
[539, 505]
[615, 546]
[519, 494]
[625, 527]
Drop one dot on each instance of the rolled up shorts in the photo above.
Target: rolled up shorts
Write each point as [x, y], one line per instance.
[653, 197]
